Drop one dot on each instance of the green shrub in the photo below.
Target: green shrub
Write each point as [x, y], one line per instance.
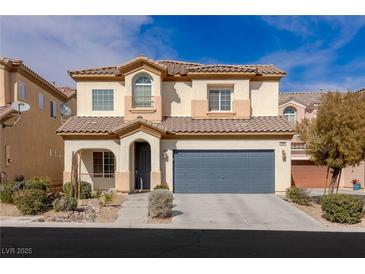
[6, 193]
[85, 190]
[298, 196]
[108, 197]
[342, 208]
[30, 201]
[160, 203]
[64, 204]
[67, 189]
[41, 183]
[96, 194]
[162, 186]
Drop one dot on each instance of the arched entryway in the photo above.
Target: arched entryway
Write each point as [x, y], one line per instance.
[142, 166]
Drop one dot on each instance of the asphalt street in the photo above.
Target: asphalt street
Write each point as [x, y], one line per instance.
[187, 243]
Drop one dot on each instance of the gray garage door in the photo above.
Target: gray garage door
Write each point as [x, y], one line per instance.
[224, 171]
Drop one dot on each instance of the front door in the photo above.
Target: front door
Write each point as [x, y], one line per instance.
[142, 166]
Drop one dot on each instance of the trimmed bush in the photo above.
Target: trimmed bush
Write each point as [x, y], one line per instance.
[41, 183]
[298, 196]
[162, 186]
[30, 201]
[342, 208]
[85, 190]
[160, 203]
[6, 194]
[64, 204]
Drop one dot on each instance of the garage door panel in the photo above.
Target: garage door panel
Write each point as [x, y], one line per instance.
[237, 171]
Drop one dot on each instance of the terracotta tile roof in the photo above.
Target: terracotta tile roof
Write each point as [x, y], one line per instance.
[305, 98]
[16, 63]
[68, 91]
[172, 125]
[88, 124]
[253, 125]
[180, 68]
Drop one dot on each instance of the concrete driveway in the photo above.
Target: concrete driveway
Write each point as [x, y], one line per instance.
[221, 211]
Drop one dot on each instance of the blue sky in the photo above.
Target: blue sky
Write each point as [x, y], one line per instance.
[317, 52]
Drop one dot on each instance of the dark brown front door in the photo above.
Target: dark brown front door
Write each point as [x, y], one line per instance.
[142, 166]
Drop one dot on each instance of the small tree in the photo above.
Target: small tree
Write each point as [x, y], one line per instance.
[336, 137]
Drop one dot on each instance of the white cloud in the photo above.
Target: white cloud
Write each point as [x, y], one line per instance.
[51, 45]
[312, 65]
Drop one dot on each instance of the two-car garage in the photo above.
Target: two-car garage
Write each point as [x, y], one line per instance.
[224, 171]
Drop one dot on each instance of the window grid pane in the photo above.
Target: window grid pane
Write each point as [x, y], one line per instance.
[213, 100]
[41, 101]
[102, 100]
[219, 100]
[97, 164]
[142, 92]
[108, 164]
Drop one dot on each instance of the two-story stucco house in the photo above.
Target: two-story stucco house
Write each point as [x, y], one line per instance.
[31, 147]
[295, 106]
[198, 128]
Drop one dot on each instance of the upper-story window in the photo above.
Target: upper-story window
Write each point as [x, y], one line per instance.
[22, 91]
[41, 101]
[290, 114]
[103, 100]
[220, 100]
[142, 92]
[52, 109]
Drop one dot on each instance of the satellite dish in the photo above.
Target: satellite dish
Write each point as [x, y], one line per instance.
[19, 106]
[65, 110]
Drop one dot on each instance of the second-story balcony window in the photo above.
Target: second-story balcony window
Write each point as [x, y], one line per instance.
[142, 92]
[102, 100]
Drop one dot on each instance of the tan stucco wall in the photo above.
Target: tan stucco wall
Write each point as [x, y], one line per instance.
[258, 98]
[176, 98]
[84, 98]
[264, 98]
[282, 168]
[35, 148]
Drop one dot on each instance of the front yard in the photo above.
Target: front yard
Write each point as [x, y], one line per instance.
[33, 198]
[336, 210]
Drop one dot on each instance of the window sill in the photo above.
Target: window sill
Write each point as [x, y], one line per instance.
[221, 113]
[142, 110]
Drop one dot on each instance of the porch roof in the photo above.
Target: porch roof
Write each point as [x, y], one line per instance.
[85, 125]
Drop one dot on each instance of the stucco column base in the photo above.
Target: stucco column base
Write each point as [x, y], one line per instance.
[122, 181]
[155, 178]
[66, 176]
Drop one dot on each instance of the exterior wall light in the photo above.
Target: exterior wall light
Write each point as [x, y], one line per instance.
[283, 155]
[165, 155]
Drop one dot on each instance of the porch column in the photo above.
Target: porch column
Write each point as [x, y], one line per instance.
[67, 163]
[122, 175]
[155, 162]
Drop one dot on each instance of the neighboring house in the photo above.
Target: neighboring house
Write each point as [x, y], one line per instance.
[198, 128]
[295, 106]
[31, 147]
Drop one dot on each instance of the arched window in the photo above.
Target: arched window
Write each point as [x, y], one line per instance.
[290, 114]
[142, 91]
